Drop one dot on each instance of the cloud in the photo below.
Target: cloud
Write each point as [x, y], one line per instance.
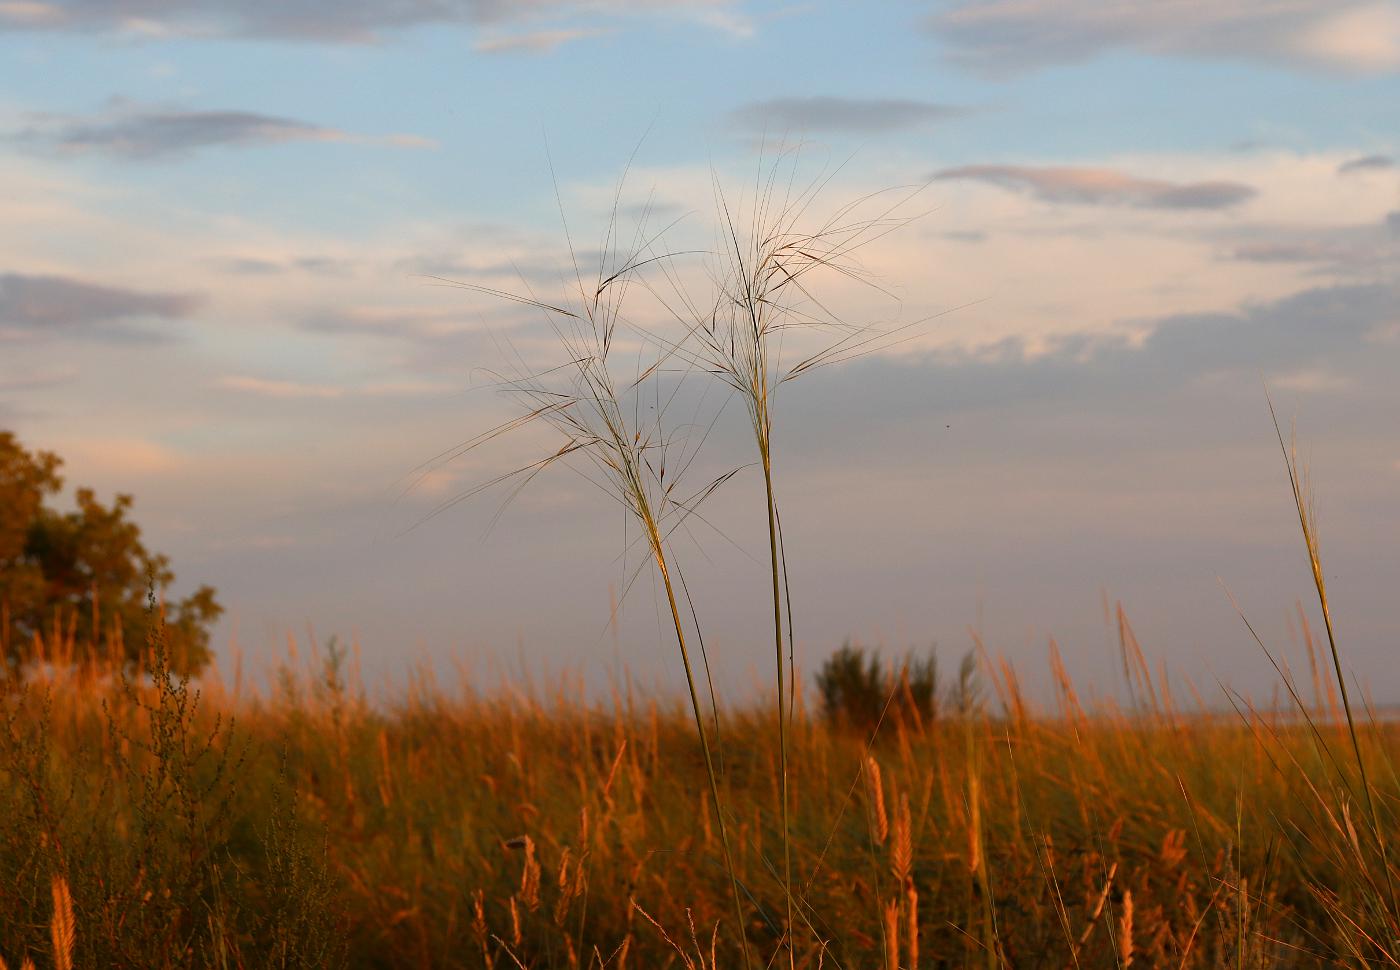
[1312, 381]
[38, 380]
[534, 42]
[1008, 36]
[349, 21]
[30, 13]
[298, 390]
[1347, 251]
[1292, 251]
[117, 457]
[828, 113]
[32, 305]
[396, 321]
[315, 265]
[1304, 341]
[133, 131]
[263, 387]
[1367, 163]
[1097, 186]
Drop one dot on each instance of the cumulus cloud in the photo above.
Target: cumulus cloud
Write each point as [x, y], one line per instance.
[350, 21]
[828, 113]
[1297, 340]
[1367, 163]
[1006, 36]
[134, 131]
[32, 305]
[1097, 186]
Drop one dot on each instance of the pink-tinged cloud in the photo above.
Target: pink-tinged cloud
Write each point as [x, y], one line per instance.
[347, 21]
[34, 305]
[1100, 186]
[535, 41]
[1366, 163]
[132, 131]
[289, 390]
[264, 387]
[1009, 36]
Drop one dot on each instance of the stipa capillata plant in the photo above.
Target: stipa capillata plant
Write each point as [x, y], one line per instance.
[615, 432]
[762, 297]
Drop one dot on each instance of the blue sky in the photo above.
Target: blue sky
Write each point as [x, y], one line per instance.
[219, 213]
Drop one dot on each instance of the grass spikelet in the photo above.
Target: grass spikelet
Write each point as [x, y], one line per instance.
[530, 877]
[877, 799]
[902, 845]
[61, 928]
[892, 935]
[1125, 930]
[974, 825]
[479, 930]
[911, 925]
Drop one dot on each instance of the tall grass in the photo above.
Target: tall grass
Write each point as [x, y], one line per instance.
[764, 295]
[602, 437]
[446, 825]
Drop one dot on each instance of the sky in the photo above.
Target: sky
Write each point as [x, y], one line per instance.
[1118, 223]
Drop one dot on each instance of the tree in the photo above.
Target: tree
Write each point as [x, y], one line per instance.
[83, 576]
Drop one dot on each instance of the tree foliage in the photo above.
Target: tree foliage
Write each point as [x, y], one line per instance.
[82, 576]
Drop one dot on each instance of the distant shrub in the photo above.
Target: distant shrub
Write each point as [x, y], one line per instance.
[858, 691]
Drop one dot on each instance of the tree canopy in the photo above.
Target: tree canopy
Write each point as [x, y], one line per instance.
[83, 576]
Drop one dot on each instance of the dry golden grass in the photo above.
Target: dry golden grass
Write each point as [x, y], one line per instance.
[538, 828]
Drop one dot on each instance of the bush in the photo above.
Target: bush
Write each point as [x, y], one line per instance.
[858, 692]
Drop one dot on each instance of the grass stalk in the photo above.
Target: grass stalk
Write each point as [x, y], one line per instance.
[658, 552]
[784, 715]
[1306, 522]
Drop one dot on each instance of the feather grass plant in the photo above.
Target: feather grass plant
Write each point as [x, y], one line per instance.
[763, 297]
[639, 464]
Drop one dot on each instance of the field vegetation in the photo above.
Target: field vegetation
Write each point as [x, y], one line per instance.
[168, 826]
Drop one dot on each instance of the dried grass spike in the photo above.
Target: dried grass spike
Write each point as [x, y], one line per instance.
[892, 935]
[61, 928]
[902, 847]
[1125, 931]
[877, 797]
